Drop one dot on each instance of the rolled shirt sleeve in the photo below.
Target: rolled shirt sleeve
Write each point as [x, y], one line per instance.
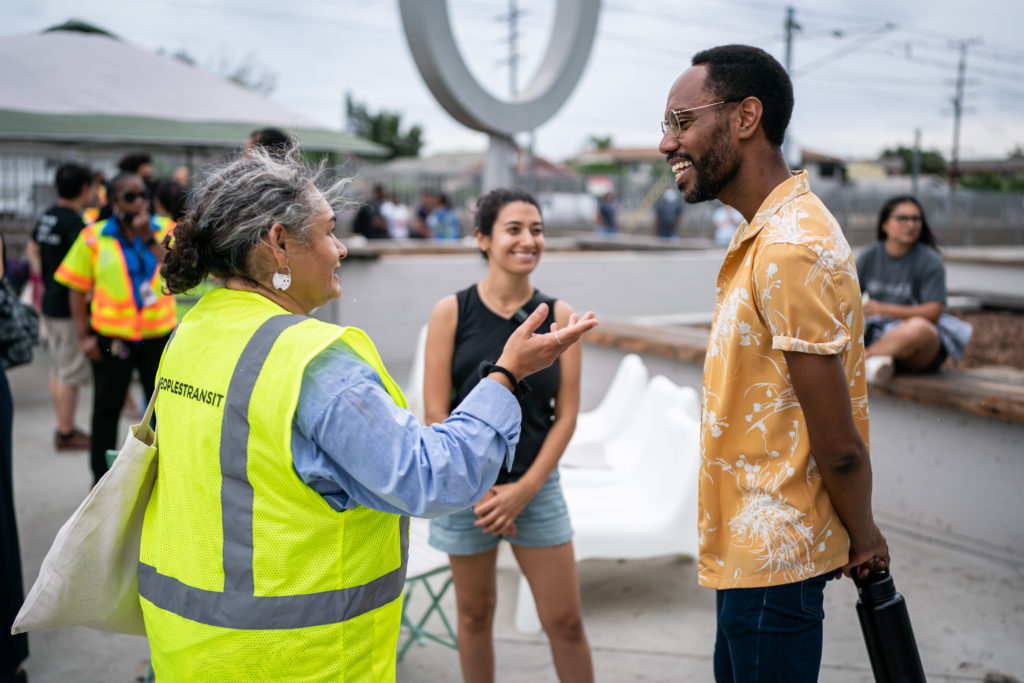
[354, 446]
[797, 294]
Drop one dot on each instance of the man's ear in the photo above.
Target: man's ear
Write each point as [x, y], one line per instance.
[749, 112]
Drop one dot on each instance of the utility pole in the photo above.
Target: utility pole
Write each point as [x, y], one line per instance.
[791, 27]
[513, 60]
[958, 111]
[915, 162]
[513, 46]
[958, 105]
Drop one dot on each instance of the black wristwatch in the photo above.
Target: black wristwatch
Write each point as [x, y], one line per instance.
[151, 241]
[518, 388]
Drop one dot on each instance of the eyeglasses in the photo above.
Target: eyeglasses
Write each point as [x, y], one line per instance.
[677, 123]
[132, 196]
[903, 218]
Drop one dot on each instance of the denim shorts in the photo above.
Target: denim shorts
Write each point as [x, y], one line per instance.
[544, 522]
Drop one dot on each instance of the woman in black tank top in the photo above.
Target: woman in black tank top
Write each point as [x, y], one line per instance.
[525, 506]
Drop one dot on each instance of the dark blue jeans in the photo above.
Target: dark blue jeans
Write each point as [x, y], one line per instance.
[770, 634]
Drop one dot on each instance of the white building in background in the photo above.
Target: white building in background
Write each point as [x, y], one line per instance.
[78, 93]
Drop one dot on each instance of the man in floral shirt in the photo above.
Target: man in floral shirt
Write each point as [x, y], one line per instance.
[785, 481]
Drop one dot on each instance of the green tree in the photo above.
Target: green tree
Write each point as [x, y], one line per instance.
[384, 127]
[601, 141]
[931, 160]
[995, 181]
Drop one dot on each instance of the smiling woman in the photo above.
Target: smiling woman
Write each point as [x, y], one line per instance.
[288, 460]
[904, 284]
[525, 504]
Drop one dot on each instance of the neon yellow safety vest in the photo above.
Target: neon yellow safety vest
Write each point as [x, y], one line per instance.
[246, 573]
[96, 263]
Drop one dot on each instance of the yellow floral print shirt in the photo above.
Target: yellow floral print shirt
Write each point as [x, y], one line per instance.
[788, 283]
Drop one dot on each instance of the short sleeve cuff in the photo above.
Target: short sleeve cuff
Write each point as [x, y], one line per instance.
[829, 348]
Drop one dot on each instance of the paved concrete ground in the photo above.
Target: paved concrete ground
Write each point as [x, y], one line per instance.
[647, 620]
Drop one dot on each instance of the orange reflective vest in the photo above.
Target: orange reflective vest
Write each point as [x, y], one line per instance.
[97, 263]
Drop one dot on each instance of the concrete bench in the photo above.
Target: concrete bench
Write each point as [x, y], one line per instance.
[979, 391]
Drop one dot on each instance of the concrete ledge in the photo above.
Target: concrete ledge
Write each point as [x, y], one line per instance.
[999, 395]
[963, 390]
[996, 255]
[359, 248]
[687, 344]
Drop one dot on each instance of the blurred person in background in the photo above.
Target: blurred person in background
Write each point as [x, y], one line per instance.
[397, 216]
[170, 199]
[904, 284]
[668, 209]
[726, 220]
[54, 233]
[141, 164]
[605, 221]
[420, 228]
[368, 220]
[443, 220]
[113, 265]
[13, 649]
[97, 207]
[274, 140]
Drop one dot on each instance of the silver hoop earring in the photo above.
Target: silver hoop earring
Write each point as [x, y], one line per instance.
[282, 280]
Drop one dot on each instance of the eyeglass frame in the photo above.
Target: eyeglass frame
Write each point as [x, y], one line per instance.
[904, 218]
[666, 125]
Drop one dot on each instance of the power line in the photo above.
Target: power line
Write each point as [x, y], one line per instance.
[870, 36]
[684, 18]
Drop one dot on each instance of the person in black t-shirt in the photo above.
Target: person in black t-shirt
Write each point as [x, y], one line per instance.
[54, 233]
[368, 221]
[525, 506]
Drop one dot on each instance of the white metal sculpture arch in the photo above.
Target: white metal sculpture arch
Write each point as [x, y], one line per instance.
[428, 31]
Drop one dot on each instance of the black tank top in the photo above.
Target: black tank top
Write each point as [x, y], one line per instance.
[480, 336]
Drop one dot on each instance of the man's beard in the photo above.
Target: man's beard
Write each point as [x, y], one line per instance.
[716, 168]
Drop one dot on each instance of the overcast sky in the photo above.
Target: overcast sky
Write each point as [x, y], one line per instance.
[866, 74]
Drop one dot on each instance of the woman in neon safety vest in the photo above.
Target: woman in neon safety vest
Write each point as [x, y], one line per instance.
[275, 543]
[122, 318]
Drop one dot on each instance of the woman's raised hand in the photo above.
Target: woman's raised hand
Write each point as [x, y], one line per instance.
[526, 351]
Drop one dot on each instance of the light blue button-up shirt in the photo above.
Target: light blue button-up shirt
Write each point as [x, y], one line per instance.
[354, 446]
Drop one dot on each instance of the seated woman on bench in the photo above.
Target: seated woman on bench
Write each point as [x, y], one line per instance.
[904, 284]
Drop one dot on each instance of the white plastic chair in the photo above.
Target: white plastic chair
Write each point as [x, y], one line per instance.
[414, 387]
[650, 511]
[609, 460]
[606, 420]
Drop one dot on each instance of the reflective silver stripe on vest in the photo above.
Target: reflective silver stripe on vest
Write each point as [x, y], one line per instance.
[238, 606]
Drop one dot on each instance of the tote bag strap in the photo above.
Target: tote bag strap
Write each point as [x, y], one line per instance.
[148, 417]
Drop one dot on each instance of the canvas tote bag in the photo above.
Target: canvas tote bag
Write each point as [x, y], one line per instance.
[90, 576]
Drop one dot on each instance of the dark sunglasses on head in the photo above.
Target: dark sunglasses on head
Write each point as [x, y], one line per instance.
[132, 196]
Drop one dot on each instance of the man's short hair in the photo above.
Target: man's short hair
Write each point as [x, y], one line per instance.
[738, 71]
[131, 163]
[70, 180]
